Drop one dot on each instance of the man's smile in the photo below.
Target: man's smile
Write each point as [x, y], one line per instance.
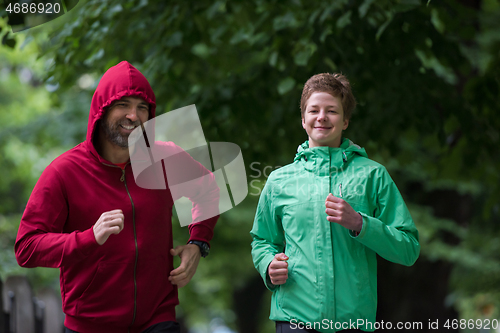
[128, 127]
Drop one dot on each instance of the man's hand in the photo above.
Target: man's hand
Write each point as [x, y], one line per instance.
[109, 223]
[339, 211]
[278, 269]
[190, 257]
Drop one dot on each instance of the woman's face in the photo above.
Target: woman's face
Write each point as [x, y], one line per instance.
[324, 120]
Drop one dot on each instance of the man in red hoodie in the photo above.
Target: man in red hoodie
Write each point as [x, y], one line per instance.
[111, 238]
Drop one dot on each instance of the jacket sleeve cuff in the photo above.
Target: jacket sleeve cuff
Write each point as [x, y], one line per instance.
[203, 231]
[86, 241]
[265, 274]
[362, 232]
[398, 246]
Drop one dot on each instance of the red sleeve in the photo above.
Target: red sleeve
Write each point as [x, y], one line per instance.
[40, 239]
[204, 193]
[189, 178]
[203, 231]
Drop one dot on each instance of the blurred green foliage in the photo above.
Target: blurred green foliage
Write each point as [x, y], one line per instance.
[425, 74]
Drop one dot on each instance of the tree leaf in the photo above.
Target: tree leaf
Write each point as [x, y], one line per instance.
[286, 85]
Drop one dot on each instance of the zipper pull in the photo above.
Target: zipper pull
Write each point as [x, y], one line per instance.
[340, 189]
[122, 178]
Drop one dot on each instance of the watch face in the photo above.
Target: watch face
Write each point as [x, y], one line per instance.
[204, 249]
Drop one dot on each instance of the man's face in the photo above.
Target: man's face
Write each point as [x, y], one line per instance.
[122, 117]
[323, 120]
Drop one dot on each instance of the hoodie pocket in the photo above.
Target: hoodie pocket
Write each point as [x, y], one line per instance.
[110, 294]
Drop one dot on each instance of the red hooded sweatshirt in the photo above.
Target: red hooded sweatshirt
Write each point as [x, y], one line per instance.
[121, 286]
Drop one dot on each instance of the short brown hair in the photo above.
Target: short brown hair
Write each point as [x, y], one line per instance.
[336, 85]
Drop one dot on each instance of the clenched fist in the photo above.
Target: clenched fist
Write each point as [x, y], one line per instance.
[109, 223]
[339, 211]
[278, 269]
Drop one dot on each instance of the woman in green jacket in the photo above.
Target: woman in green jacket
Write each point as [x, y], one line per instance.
[322, 220]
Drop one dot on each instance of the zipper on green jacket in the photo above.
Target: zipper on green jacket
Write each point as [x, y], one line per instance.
[330, 292]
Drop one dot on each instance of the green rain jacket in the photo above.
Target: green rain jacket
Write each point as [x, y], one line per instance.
[332, 274]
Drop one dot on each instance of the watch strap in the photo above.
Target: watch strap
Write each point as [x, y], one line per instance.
[204, 248]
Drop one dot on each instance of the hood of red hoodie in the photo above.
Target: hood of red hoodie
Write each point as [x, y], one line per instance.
[119, 81]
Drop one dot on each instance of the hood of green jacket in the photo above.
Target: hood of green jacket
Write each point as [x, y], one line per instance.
[318, 159]
[347, 148]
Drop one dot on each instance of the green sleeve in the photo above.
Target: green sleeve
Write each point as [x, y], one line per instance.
[390, 232]
[267, 233]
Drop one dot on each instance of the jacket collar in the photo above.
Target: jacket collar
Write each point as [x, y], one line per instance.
[331, 159]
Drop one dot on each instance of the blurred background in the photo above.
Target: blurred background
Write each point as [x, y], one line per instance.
[426, 75]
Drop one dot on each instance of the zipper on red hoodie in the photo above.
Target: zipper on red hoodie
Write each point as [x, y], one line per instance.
[124, 181]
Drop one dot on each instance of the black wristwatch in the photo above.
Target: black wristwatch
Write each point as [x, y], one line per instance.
[204, 248]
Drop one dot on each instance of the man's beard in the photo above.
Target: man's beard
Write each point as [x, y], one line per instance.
[112, 132]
